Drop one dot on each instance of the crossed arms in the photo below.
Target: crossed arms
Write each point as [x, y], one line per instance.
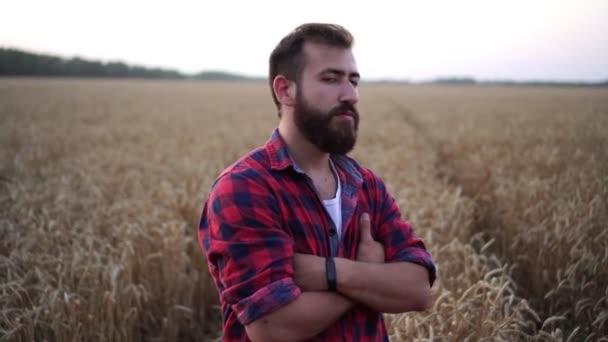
[385, 287]
[280, 295]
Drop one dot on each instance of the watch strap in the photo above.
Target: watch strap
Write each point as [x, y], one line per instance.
[330, 272]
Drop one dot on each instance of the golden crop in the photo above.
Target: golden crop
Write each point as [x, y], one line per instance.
[101, 183]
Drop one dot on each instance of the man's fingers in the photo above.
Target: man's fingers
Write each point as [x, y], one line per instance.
[365, 226]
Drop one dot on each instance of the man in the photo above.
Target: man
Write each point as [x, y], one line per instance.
[303, 243]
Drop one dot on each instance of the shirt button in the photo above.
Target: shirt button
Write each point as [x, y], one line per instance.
[332, 231]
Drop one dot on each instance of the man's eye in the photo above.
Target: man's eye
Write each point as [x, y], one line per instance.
[329, 79]
[354, 82]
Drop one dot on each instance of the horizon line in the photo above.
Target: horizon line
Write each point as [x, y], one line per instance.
[376, 79]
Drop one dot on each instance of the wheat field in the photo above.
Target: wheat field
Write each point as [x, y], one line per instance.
[102, 181]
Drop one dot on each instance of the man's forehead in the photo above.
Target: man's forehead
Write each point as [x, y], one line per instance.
[320, 56]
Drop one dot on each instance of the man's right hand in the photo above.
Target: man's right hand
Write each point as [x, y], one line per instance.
[369, 250]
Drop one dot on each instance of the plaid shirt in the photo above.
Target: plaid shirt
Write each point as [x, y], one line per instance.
[263, 209]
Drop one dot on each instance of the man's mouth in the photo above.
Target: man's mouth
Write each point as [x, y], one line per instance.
[345, 116]
[346, 113]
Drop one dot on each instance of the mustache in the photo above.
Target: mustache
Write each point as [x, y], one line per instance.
[344, 107]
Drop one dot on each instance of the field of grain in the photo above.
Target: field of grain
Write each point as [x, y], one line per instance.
[101, 183]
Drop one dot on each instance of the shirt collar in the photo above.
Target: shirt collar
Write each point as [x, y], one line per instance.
[280, 159]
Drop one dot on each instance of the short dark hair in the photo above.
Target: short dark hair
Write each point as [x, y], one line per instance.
[287, 58]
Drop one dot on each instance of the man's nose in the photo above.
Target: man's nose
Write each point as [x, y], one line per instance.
[349, 93]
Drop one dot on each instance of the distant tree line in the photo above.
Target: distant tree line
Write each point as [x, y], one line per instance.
[15, 62]
[454, 80]
[225, 76]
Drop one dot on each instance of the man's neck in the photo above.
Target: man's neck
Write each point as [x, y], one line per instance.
[306, 155]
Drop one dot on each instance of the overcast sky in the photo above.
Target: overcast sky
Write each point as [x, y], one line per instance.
[415, 40]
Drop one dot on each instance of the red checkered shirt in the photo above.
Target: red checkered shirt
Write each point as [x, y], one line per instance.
[263, 209]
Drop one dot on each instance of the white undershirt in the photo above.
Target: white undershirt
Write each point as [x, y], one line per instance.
[334, 205]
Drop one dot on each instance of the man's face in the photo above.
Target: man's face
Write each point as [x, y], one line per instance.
[325, 110]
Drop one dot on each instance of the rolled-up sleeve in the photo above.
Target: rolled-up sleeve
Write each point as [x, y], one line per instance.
[397, 235]
[249, 255]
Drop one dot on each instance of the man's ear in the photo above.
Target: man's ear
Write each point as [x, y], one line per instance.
[285, 90]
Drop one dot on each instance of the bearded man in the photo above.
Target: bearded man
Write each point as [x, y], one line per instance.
[303, 242]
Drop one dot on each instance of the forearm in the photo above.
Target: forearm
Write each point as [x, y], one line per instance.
[305, 317]
[390, 287]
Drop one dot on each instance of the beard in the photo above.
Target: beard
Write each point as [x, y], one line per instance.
[328, 133]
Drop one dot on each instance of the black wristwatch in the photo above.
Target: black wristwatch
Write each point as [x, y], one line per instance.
[330, 272]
